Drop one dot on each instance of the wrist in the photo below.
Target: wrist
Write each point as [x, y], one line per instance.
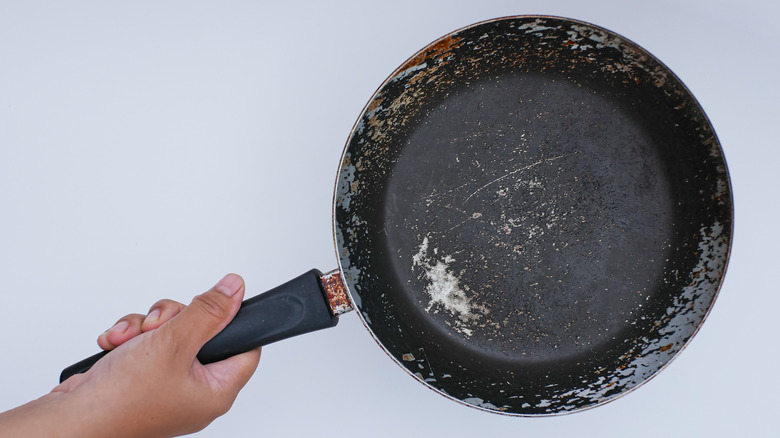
[78, 413]
[47, 416]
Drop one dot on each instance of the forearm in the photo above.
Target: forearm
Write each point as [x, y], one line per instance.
[52, 415]
[80, 413]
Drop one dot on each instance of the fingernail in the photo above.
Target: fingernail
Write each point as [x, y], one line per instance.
[120, 327]
[229, 285]
[153, 316]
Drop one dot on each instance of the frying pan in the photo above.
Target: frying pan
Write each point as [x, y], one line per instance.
[532, 216]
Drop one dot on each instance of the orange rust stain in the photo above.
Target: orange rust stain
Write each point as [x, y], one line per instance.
[666, 347]
[436, 49]
[373, 105]
[336, 293]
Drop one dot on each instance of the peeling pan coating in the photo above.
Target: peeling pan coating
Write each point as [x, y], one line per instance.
[533, 216]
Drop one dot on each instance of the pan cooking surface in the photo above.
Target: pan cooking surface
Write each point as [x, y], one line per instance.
[533, 216]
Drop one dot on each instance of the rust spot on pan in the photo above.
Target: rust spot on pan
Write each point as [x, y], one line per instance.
[336, 293]
[435, 50]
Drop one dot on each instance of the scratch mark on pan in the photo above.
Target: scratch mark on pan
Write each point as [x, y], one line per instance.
[547, 160]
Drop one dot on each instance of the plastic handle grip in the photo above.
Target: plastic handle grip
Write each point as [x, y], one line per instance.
[294, 308]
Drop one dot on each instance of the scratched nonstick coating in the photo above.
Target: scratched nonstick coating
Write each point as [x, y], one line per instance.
[533, 215]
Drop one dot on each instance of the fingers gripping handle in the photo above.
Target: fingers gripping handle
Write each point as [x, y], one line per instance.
[294, 308]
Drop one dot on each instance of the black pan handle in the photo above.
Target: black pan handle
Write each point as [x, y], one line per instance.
[294, 308]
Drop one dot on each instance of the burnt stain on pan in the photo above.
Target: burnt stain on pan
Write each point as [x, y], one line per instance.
[335, 293]
[533, 215]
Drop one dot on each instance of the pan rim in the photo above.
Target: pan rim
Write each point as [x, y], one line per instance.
[356, 298]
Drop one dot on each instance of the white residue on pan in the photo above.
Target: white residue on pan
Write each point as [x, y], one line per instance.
[444, 289]
[476, 401]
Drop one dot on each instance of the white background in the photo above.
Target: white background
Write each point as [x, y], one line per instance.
[148, 148]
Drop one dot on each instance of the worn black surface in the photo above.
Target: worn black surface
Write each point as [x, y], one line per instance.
[562, 187]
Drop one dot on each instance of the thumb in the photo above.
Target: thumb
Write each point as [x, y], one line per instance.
[207, 315]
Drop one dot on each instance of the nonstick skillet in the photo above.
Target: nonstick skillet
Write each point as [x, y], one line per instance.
[532, 216]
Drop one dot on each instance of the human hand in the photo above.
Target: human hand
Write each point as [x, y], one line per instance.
[153, 386]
